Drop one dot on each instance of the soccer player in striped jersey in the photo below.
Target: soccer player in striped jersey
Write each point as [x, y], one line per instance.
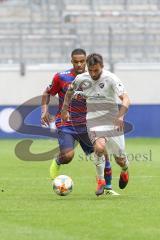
[74, 129]
[103, 87]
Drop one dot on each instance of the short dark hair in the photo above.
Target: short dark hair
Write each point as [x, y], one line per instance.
[94, 59]
[78, 51]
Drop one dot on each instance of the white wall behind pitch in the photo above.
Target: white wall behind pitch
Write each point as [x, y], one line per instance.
[16, 89]
[141, 81]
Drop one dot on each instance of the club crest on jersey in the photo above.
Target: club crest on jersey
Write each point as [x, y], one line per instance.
[101, 85]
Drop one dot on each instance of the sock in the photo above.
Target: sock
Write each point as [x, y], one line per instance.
[125, 167]
[100, 170]
[108, 174]
[58, 161]
[100, 163]
[54, 168]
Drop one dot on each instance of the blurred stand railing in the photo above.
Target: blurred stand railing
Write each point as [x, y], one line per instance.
[45, 31]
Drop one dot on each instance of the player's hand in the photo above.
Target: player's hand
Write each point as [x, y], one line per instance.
[45, 119]
[79, 95]
[119, 124]
[64, 115]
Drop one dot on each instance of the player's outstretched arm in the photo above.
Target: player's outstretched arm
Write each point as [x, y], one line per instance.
[67, 100]
[122, 111]
[125, 104]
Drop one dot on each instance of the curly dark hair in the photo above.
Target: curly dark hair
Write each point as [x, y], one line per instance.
[93, 59]
[78, 51]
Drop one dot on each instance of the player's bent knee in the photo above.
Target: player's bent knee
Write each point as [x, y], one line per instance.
[67, 157]
[99, 145]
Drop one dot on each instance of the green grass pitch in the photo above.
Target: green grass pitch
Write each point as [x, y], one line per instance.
[29, 209]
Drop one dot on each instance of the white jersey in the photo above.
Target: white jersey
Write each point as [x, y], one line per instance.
[102, 96]
[107, 87]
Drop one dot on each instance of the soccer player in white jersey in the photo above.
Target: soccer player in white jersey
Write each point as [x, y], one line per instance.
[103, 86]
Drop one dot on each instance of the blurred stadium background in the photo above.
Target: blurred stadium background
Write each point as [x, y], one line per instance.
[37, 37]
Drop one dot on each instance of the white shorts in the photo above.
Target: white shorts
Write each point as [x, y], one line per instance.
[115, 142]
[116, 146]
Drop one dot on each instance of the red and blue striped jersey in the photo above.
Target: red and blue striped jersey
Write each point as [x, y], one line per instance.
[77, 108]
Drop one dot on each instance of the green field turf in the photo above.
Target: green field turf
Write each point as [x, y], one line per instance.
[30, 210]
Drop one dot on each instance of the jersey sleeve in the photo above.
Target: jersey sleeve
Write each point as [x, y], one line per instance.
[117, 85]
[81, 82]
[54, 87]
[75, 84]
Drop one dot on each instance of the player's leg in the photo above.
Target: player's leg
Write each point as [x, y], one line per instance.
[99, 160]
[107, 171]
[117, 147]
[100, 144]
[100, 148]
[66, 145]
[105, 184]
[124, 175]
